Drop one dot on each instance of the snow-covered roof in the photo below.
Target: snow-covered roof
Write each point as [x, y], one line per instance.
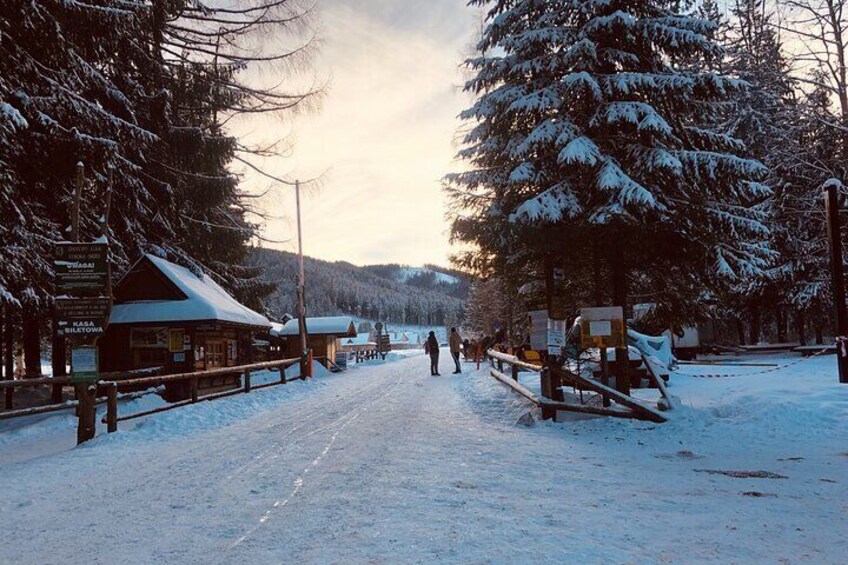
[334, 325]
[361, 339]
[404, 337]
[205, 300]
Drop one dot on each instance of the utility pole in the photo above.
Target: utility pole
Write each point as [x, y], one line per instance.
[305, 361]
[831, 206]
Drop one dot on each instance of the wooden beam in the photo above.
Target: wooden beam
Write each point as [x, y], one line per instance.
[640, 410]
[515, 386]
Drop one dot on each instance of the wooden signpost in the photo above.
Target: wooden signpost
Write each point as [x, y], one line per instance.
[384, 342]
[82, 310]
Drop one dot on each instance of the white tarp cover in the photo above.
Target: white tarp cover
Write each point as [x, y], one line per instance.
[334, 325]
[206, 301]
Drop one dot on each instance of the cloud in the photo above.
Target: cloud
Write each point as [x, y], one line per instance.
[385, 134]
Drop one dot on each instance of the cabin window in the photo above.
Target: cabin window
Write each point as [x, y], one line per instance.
[149, 337]
[150, 357]
[232, 353]
[215, 354]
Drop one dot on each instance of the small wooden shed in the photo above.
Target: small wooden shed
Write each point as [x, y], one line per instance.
[322, 335]
[167, 315]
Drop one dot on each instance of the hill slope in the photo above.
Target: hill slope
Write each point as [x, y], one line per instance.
[390, 293]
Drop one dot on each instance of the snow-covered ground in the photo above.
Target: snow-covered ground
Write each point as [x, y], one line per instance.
[385, 464]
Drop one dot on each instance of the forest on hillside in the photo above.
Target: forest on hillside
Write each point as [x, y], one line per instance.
[374, 292]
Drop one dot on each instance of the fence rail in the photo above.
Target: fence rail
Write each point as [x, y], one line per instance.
[111, 420]
[552, 378]
[10, 387]
[105, 390]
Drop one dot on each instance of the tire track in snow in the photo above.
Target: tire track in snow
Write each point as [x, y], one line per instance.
[280, 446]
[300, 480]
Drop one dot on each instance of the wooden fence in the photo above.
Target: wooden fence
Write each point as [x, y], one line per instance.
[552, 379]
[112, 418]
[9, 388]
[105, 390]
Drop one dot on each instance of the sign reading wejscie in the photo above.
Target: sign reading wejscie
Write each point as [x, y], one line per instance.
[82, 316]
[81, 268]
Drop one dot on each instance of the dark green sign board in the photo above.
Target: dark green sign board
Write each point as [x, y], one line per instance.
[81, 268]
[82, 317]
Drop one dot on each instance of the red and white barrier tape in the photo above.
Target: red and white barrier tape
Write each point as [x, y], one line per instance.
[842, 341]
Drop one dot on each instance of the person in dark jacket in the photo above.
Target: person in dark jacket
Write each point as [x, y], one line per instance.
[431, 346]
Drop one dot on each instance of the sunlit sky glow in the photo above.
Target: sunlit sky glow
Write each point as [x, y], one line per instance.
[385, 135]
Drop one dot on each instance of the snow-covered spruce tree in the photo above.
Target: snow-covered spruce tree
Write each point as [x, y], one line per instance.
[586, 127]
[765, 117]
[147, 89]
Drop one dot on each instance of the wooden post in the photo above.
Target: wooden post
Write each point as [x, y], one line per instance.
[301, 291]
[605, 374]
[515, 372]
[87, 412]
[194, 388]
[545, 382]
[247, 381]
[112, 408]
[831, 205]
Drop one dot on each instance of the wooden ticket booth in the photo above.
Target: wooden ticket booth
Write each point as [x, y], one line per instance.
[322, 336]
[165, 315]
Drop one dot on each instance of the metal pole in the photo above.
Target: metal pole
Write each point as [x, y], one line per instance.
[301, 286]
[831, 205]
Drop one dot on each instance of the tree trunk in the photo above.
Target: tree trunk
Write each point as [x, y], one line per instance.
[619, 298]
[9, 336]
[780, 322]
[740, 329]
[59, 361]
[755, 324]
[819, 333]
[800, 327]
[32, 346]
[2, 341]
[596, 268]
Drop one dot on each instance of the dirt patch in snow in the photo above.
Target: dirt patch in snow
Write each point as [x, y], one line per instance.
[743, 474]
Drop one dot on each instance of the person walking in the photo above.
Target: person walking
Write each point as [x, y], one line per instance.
[455, 343]
[431, 347]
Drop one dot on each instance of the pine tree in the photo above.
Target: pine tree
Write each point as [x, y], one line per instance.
[590, 124]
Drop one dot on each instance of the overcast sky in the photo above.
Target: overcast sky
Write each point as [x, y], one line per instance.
[385, 135]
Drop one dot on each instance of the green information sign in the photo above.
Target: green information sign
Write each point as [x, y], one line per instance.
[84, 364]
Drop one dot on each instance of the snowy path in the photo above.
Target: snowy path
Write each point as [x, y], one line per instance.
[385, 465]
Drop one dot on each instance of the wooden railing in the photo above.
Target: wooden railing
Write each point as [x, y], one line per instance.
[9, 388]
[105, 390]
[112, 418]
[553, 378]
